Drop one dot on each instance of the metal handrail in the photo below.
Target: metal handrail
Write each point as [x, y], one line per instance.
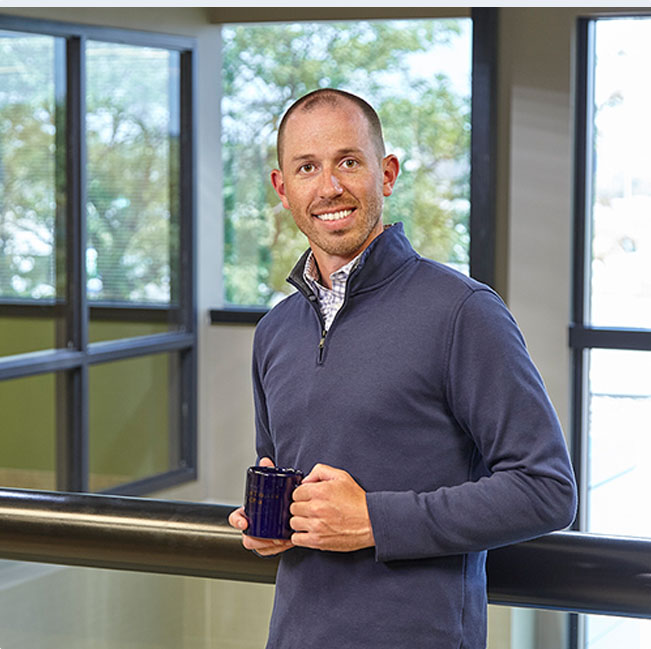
[566, 571]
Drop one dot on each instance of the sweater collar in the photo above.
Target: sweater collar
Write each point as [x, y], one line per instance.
[384, 256]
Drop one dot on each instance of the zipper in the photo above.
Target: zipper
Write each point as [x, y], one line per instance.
[312, 298]
[324, 333]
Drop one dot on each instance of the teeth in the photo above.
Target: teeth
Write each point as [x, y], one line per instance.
[334, 216]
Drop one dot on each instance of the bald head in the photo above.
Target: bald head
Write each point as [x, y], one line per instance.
[333, 98]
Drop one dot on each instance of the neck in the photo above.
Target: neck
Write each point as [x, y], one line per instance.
[330, 263]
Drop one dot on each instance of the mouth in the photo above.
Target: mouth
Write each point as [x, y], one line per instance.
[339, 215]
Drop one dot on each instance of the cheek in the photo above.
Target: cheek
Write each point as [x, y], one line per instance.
[298, 198]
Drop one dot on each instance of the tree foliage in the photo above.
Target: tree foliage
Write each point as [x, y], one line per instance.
[27, 168]
[425, 120]
[131, 176]
[132, 152]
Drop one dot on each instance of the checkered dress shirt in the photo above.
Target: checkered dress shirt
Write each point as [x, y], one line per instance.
[330, 300]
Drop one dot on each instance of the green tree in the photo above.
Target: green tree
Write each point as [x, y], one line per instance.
[27, 167]
[267, 67]
[132, 172]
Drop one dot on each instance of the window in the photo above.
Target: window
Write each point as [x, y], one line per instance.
[611, 334]
[98, 348]
[416, 73]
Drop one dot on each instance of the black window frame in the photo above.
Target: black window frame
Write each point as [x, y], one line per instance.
[74, 355]
[483, 162]
[582, 335]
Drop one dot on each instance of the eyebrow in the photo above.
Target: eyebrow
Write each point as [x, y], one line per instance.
[339, 153]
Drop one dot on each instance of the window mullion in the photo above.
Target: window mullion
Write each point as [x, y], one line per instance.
[483, 145]
[72, 428]
[188, 245]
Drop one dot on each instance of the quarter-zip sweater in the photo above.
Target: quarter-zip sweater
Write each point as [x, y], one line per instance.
[423, 390]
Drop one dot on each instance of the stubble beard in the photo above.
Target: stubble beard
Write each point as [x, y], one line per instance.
[343, 243]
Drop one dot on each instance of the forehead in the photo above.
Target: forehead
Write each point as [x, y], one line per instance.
[326, 126]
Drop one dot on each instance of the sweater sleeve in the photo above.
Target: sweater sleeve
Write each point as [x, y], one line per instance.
[263, 442]
[496, 396]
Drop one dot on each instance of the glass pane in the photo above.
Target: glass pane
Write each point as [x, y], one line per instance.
[621, 236]
[619, 442]
[605, 632]
[32, 88]
[132, 130]
[416, 73]
[134, 419]
[57, 607]
[110, 323]
[29, 427]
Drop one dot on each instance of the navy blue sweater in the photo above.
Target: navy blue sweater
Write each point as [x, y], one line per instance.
[424, 392]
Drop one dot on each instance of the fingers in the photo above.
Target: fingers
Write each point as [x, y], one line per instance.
[238, 520]
[314, 481]
[266, 547]
[322, 472]
[305, 540]
[266, 461]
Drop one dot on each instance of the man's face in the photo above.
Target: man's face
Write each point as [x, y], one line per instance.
[333, 180]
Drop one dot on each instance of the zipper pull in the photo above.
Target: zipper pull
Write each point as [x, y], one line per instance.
[322, 344]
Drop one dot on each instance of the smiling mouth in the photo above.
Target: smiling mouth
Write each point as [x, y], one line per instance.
[333, 216]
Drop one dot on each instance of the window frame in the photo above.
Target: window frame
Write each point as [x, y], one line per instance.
[74, 355]
[483, 160]
[582, 336]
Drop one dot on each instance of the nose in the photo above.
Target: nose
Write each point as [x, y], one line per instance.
[330, 185]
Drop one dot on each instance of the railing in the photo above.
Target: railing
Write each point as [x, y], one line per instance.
[564, 571]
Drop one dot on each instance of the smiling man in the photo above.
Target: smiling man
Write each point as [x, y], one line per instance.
[405, 391]
[333, 176]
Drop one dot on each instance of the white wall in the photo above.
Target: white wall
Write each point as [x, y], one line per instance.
[535, 97]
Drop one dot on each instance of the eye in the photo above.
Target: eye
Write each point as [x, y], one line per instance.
[350, 163]
[307, 168]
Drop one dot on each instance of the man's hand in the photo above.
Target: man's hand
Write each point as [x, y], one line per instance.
[264, 547]
[329, 512]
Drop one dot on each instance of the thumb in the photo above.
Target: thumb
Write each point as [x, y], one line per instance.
[322, 472]
[266, 461]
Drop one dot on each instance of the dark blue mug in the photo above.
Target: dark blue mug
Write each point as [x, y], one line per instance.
[267, 498]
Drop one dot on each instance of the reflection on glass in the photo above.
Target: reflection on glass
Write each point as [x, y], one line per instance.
[621, 228]
[134, 419]
[56, 607]
[132, 130]
[31, 82]
[416, 73]
[28, 439]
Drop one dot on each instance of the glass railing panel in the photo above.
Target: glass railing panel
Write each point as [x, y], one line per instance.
[83, 608]
[606, 632]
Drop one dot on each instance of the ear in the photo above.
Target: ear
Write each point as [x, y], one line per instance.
[279, 185]
[390, 171]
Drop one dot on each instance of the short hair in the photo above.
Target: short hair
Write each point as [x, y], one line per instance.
[332, 97]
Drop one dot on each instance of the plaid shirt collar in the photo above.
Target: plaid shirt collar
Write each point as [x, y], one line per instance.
[330, 300]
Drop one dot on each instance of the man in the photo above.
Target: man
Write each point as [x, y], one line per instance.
[406, 391]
